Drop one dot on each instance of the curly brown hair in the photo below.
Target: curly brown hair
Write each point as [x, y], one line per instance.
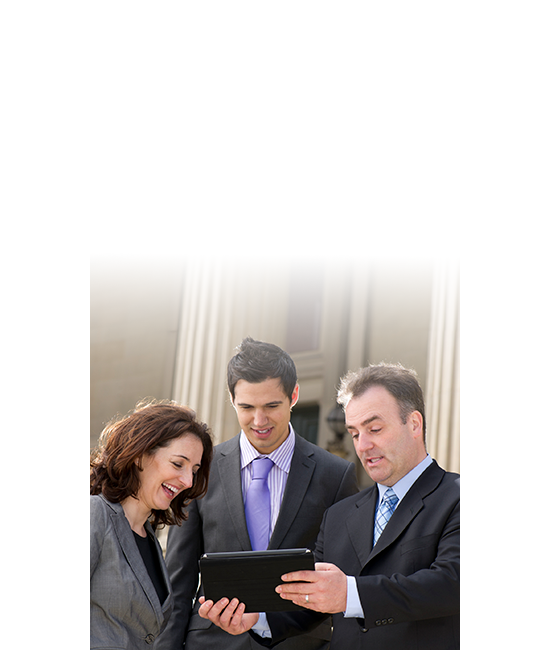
[153, 424]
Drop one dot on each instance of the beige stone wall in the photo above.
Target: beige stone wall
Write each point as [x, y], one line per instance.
[134, 317]
[167, 329]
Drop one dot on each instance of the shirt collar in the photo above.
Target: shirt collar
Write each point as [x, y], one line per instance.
[404, 485]
[282, 456]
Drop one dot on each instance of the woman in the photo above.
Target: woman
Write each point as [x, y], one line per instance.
[147, 468]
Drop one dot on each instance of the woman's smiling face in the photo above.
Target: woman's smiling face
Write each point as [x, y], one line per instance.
[168, 471]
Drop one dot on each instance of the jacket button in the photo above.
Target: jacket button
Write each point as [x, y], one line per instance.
[364, 629]
[149, 638]
[379, 622]
[390, 620]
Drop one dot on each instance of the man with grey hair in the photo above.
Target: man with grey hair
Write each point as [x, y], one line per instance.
[388, 558]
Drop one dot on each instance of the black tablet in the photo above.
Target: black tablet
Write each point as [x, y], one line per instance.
[251, 576]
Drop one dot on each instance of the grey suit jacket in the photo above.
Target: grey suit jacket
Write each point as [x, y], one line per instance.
[125, 611]
[317, 479]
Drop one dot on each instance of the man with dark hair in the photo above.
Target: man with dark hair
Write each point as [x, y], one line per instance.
[303, 481]
[256, 361]
[388, 558]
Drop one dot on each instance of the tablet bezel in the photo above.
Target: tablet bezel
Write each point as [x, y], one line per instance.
[251, 576]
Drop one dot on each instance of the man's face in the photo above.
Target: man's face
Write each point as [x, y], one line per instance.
[387, 448]
[263, 411]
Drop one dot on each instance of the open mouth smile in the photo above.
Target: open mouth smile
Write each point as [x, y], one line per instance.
[169, 490]
[262, 432]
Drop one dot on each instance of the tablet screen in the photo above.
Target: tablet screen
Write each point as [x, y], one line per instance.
[251, 576]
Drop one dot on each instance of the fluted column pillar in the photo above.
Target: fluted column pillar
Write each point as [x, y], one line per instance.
[222, 303]
[443, 392]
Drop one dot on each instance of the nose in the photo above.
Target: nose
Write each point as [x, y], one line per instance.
[260, 418]
[187, 478]
[363, 443]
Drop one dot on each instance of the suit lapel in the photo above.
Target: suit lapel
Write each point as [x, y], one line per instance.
[165, 576]
[299, 478]
[229, 467]
[360, 525]
[408, 509]
[133, 557]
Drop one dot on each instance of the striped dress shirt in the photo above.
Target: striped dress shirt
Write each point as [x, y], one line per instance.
[277, 477]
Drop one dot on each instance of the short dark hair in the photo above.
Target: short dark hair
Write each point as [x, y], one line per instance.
[256, 361]
[400, 382]
[151, 425]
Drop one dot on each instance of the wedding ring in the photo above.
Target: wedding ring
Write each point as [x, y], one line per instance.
[307, 598]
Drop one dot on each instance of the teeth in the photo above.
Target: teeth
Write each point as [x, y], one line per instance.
[174, 490]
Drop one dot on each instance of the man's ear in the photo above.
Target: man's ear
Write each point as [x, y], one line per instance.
[295, 395]
[415, 419]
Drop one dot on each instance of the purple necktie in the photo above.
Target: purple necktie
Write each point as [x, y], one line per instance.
[258, 506]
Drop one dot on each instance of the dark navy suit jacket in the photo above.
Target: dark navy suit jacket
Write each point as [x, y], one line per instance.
[408, 583]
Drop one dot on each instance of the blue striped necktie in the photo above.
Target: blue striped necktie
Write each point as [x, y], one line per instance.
[385, 511]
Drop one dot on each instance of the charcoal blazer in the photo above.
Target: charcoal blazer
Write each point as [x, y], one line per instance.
[217, 522]
[125, 611]
[408, 583]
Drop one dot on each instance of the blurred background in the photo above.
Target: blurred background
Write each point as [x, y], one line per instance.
[166, 328]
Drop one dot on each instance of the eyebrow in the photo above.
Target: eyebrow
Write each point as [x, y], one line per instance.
[274, 403]
[365, 422]
[185, 458]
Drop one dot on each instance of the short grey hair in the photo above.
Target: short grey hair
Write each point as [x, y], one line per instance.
[399, 381]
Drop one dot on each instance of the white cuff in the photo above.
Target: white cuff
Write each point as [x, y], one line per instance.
[262, 627]
[354, 609]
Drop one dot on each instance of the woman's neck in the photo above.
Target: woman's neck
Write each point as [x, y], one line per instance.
[136, 515]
